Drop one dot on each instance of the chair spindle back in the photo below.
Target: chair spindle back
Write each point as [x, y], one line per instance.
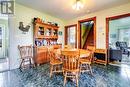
[25, 51]
[71, 60]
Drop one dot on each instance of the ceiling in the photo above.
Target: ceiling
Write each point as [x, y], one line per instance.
[63, 8]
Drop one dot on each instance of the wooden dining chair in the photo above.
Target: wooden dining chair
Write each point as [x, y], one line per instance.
[92, 49]
[55, 62]
[26, 53]
[67, 46]
[85, 63]
[71, 65]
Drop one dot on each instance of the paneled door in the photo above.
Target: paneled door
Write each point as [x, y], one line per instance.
[87, 33]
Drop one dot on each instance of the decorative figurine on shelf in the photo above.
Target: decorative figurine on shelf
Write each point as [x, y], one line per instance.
[56, 24]
[34, 20]
[60, 32]
[22, 28]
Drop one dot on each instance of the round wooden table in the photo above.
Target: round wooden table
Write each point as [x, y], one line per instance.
[83, 52]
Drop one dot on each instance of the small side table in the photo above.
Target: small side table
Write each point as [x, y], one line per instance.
[100, 56]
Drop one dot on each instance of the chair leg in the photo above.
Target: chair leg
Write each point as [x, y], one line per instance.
[30, 62]
[21, 64]
[65, 79]
[33, 63]
[80, 67]
[90, 69]
[77, 81]
[24, 65]
[51, 69]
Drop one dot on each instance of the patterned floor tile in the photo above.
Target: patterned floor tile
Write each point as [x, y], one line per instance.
[104, 76]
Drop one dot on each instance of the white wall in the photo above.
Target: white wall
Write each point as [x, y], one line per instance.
[101, 21]
[25, 15]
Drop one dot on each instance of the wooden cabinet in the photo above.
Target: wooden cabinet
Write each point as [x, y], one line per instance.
[100, 56]
[44, 35]
[41, 55]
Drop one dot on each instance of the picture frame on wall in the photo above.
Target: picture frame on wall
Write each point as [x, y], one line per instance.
[60, 32]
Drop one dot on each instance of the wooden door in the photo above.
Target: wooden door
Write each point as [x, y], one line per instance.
[87, 33]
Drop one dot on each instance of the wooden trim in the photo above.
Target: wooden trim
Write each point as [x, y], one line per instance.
[66, 34]
[94, 19]
[118, 16]
[79, 34]
[71, 25]
[107, 27]
[107, 33]
[79, 30]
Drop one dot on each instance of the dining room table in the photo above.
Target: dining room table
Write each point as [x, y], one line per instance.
[83, 53]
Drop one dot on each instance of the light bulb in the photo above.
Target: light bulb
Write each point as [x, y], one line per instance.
[78, 5]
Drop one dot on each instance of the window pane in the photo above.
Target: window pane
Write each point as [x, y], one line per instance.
[71, 36]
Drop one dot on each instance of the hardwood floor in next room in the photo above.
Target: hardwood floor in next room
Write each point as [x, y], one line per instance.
[104, 76]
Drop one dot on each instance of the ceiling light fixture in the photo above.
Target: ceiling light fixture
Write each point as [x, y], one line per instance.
[77, 5]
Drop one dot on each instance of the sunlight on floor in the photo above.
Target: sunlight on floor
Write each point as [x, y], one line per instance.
[4, 65]
[1, 80]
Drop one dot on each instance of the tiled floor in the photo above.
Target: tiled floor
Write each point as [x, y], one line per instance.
[104, 76]
[125, 59]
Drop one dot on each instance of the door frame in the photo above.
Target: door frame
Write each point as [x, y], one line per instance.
[66, 34]
[79, 30]
[107, 25]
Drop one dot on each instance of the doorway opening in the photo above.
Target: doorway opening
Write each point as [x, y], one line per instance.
[87, 33]
[118, 39]
[71, 35]
[4, 42]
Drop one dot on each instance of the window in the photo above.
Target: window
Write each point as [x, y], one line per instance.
[71, 35]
